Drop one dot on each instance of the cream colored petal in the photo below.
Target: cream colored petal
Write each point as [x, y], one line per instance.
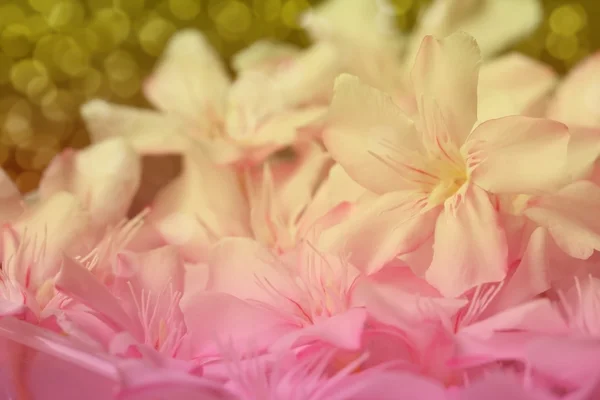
[264, 54]
[365, 34]
[495, 24]
[149, 132]
[518, 155]
[204, 204]
[104, 177]
[514, 84]
[445, 77]
[578, 97]
[371, 138]
[190, 81]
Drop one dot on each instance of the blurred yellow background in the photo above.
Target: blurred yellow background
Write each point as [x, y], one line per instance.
[56, 54]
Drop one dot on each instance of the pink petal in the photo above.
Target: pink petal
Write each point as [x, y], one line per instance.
[389, 299]
[153, 269]
[147, 131]
[94, 175]
[470, 245]
[238, 266]
[343, 331]
[531, 277]
[583, 153]
[387, 385]
[501, 387]
[216, 318]
[576, 100]
[571, 218]
[539, 316]
[371, 138]
[518, 155]
[140, 382]
[78, 283]
[571, 361]
[514, 84]
[381, 229]
[52, 227]
[336, 189]
[446, 72]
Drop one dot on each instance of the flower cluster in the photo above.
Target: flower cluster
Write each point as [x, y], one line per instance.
[373, 217]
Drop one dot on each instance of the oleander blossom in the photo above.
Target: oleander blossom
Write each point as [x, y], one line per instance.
[376, 216]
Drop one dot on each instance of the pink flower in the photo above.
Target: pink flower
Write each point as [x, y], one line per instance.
[33, 248]
[142, 302]
[297, 298]
[436, 175]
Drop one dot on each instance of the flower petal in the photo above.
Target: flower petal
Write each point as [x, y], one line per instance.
[190, 81]
[52, 228]
[382, 229]
[571, 218]
[495, 24]
[205, 203]
[149, 132]
[231, 320]
[370, 137]
[530, 279]
[577, 97]
[514, 84]
[344, 331]
[470, 245]
[237, 265]
[364, 34]
[77, 282]
[518, 155]
[446, 72]
[264, 54]
[94, 175]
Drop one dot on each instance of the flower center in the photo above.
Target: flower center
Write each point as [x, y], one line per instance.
[446, 189]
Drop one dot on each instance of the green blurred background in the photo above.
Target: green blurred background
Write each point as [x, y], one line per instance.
[56, 54]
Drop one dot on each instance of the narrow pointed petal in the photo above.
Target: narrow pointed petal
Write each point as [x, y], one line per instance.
[370, 137]
[470, 245]
[446, 71]
[78, 283]
[518, 155]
